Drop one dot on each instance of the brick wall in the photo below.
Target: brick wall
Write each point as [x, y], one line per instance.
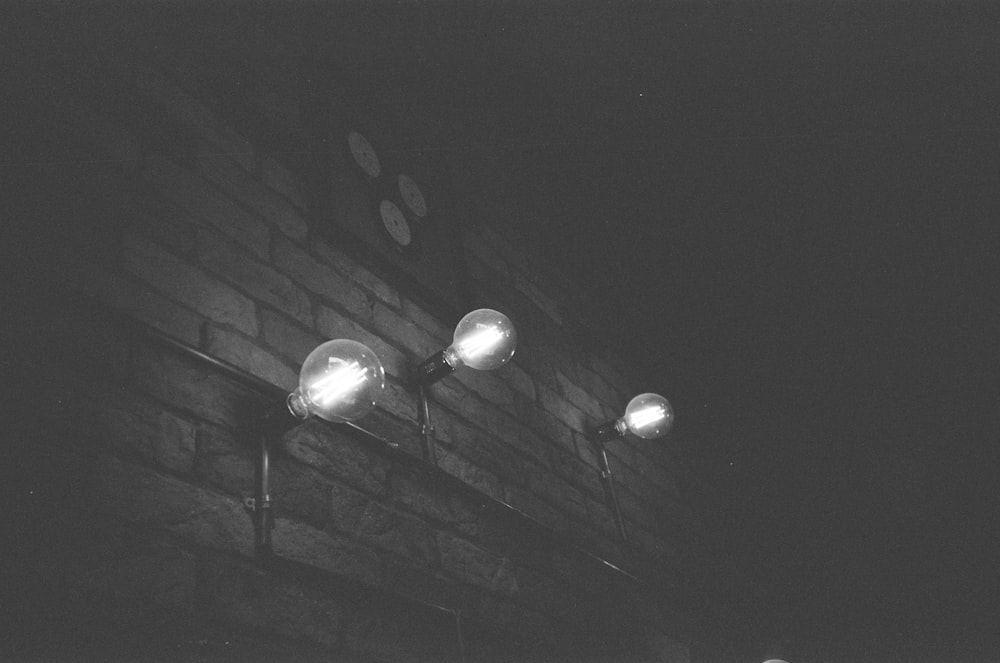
[141, 199]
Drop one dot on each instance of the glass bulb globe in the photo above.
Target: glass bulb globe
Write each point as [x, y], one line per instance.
[484, 339]
[340, 380]
[648, 416]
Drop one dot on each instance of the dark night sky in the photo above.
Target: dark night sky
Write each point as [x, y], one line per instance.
[789, 210]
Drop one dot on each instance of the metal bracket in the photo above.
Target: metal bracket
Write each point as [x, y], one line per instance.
[250, 503]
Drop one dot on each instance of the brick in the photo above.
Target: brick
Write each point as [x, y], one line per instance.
[565, 411]
[320, 446]
[481, 449]
[320, 279]
[432, 325]
[558, 493]
[382, 527]
[581, 399]
[611, 374]
[399, 433]
[194, 116]
[280, 179]
[534, 361]
[135, 426]
[204, 202]
[420, 495]
[477, 565]
[189, 285]
[598, 388]
[352, 270]
[222, 463]
[577, 473]
[528, 442]
[188, 386]
[251, 597]
[258, 280]
[453, 394]
[147, 498]
[487, 385]
[586, 450]
[400, 401]
[483, 480]
[237, 182]
[545, 424]
[624, 450]
[403, 332]
[523, 500]
[332, 324]
[301, 543]
[517, 378]
[244, 353]
[302, 492]
[287, 338]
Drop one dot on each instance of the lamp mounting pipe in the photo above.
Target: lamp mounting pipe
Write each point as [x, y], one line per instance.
[426, 427]
[276, 420]
[609, 491]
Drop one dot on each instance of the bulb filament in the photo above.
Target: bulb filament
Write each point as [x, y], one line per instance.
[481, 341]
[337, 383]
[647, 416]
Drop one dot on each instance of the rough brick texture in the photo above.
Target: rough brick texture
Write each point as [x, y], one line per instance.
[198, 235]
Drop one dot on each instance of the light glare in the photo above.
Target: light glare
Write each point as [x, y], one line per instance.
[335, 384]
[648, 416]
[480, 342]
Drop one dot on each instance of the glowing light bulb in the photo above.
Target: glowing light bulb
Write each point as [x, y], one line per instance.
[647, 416]
[484, 339]
[340, 380]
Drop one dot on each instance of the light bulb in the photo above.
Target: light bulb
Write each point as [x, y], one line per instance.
[484, 339]
[648, 416]
[340, 380]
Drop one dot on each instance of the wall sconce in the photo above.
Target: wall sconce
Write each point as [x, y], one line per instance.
[647, 416]
[339, 381]
[484, 339]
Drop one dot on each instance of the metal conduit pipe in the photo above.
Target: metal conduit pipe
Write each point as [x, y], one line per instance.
[276, 394]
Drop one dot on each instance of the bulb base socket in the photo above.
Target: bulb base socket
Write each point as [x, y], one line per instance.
[297, 405]
[434, 368]
[608, 432]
